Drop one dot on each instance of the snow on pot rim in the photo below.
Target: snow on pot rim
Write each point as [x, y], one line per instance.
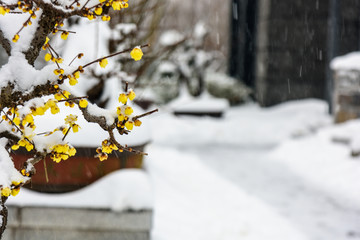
[127, 189]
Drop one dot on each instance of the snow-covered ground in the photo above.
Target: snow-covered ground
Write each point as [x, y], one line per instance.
[279, 164]
[272, 173]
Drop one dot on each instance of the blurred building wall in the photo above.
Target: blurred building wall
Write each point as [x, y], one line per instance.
[295, 41]
[292, 50]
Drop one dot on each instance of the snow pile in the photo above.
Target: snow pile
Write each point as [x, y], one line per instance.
[328, 164]
[121, 190]
[170, 38]
[192, 203]
[204, 103]
[247, 125]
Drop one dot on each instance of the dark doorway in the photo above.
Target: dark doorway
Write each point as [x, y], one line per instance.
[243, 40]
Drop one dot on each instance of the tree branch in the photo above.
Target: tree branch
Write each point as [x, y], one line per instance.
[4, 214]
[47, 22]
[5, 43]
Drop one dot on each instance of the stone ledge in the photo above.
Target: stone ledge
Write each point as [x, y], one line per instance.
[46, 234]
[75, 223]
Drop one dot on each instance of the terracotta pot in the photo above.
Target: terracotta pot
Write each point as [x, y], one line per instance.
[78, 171]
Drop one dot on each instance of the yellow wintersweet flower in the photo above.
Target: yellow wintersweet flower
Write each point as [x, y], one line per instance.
[66, 94]
[129, 125]
[50, 103]
[16, 183]
[40, 110]
[5, 192]
[15, 147]
[103, 62]
[121, 117]
[22, 142]
[136, 53]
[70, 104]
[58, 96]
[59, 60]
[64, 35]
[76, 74]
[131, 95]
[72, 81]
[90, 16]
[116, 5]
[71, 119]
[102, 156]
[137, 123]
[105, 18]
[29, 118]
[16, 120]
[83, 103]
[98, 10]
[72, 151]
[29, 147]
[15, 191]
[123, 98]
[55, 109]
[128, 111]
[25, 173]
[75, 128]
[16, 38]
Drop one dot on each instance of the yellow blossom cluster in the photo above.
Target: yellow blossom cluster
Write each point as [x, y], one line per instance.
[106, 148]
[71, 119]
[13, 190]
[24, 142]
[124, 112]
[61, 152]
[25, 123]
[98, 9]
[125, 120]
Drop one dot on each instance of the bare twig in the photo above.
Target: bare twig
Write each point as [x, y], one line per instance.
[121, 147]
[145, 114]
[112, 55]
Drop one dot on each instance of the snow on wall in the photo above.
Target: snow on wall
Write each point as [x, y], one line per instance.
[349, 61]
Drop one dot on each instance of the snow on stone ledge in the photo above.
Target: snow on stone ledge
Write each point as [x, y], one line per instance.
[127, 189]
[349, 61]
[204, 103]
